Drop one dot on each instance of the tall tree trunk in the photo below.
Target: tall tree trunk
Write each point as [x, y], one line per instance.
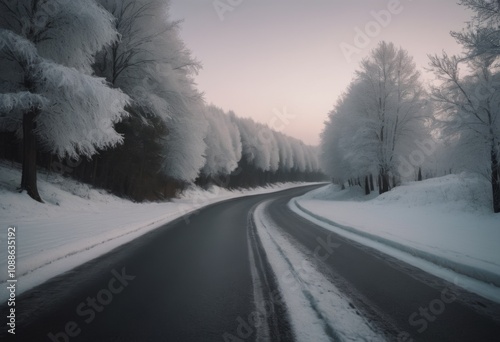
[419, 177]
[28, 180]
[495, 179]
[367, 186]
[372, 187]
[386, 185]
[384, 181]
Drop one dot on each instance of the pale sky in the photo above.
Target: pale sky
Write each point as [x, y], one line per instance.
[275, 55]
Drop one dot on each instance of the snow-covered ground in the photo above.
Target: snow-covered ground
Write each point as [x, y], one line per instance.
[444, 226]
[318, 310]
[78, 223]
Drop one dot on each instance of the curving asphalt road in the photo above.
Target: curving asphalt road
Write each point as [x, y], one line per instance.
[192, 281]
[185, 281]
[405, 303]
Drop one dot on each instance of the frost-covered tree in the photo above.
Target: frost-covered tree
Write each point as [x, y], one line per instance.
[268, 156]
[253, 149]
[70, 71]
[137, 63]
[482, 35]
[268, 141]
[470, 114]
[285, 152]
[151, 64]
[470, 104]
[298, 155]
[223, 144]
[312, 155]
[184, 144]
[342, 127]
[47, 92]
[183, 158]
[382, 117]
[393, 106]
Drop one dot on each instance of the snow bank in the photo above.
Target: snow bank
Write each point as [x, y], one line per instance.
[443, 225]
[78, 223]
[318, 310]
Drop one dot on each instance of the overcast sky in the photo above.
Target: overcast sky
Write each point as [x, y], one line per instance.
[263, 56]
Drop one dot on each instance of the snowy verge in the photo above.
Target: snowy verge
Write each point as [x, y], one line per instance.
[78, 223]
[318, 310]
[442, 226]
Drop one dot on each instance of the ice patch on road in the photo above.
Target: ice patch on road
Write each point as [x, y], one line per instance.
[318, 310]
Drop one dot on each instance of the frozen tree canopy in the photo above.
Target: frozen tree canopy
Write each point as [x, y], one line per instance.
[76, 111]
[46, 49]
[151, 64]
[386, 125]
[381, 118]
[112, 78]
[223, 143]
[469, 116]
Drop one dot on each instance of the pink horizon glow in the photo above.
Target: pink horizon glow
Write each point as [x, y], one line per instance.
[270, 55]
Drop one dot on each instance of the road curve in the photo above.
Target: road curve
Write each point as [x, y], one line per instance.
[192, 281]
[185, 281]
[405, 302]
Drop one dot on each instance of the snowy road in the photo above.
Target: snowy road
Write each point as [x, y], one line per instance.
[219, 278]
[397, 300]
[185, 281]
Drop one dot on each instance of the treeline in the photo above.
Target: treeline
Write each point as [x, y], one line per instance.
[389, 127]
[103, 91]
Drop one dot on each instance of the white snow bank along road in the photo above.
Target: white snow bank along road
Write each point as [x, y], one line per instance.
[78, 223]
[443, 226]
[318, 310]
